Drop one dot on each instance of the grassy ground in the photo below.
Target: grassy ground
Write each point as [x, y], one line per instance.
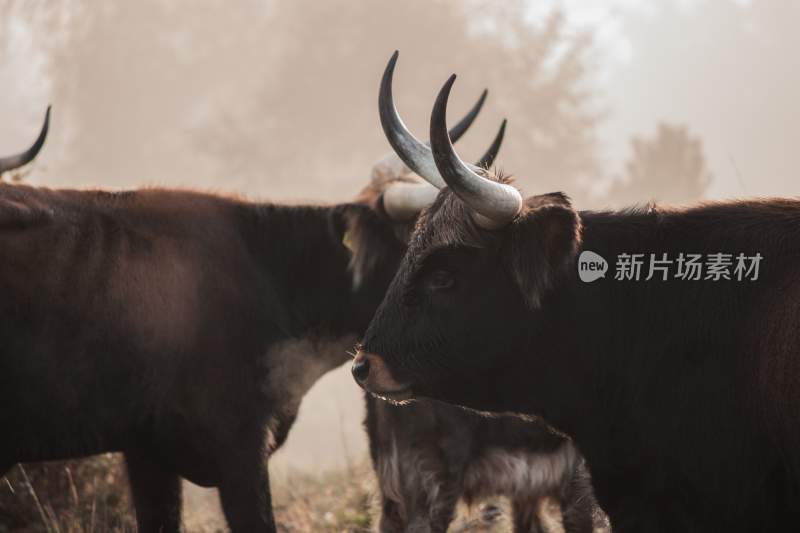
[346, 501]
[82, 496]
[91, 496]
[332, 501]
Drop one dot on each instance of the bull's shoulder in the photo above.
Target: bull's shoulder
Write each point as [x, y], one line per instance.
[23, 206]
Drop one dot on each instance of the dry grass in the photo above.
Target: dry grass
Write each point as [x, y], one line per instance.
[91, 495]
[330, 502]
[346, 501]
[80, 496]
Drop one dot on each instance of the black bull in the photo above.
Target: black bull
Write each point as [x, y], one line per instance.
[179, 328]
[183, 329]
[682, 391]
[684, 396]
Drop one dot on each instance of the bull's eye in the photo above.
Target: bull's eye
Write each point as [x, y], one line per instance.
[441, 280]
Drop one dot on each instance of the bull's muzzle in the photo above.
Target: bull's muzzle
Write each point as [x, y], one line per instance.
[371, 373]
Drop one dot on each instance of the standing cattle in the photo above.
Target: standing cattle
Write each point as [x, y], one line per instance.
[683, 392]
[179, 328]
[429, 455]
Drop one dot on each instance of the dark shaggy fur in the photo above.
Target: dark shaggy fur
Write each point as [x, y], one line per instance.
[429, 455]
[179, 328]
[684, 396]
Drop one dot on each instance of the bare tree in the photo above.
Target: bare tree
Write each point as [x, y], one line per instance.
[315, 119]
[668, 167]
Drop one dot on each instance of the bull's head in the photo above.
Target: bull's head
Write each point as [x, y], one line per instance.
[403, 183]
[23, 158]
[481, 259]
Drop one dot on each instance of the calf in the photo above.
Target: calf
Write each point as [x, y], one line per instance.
[180, 328]
[428, 455]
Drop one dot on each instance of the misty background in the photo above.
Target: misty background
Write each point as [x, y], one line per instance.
[615, 104]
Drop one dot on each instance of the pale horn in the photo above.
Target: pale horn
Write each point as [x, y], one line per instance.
[403, 201]
[496, 203]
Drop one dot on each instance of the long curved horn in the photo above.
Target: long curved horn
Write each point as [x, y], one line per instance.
[18, 160]
[457, 131]
[403, 201]
[413, 152]
[490, 155]
[499, 203]
[392, 167]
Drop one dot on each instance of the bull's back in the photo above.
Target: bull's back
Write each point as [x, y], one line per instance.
[102, 301]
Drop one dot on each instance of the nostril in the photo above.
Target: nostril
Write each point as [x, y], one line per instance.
[360, 369]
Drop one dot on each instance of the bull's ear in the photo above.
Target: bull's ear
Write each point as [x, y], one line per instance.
[370, 239]
[542, 244]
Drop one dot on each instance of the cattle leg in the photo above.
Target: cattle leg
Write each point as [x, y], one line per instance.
[425, 516]
[391, 520]
[578, 503]
[245, 495]
[423, 521]
[434, 517]
[525, 515]
[156, 495]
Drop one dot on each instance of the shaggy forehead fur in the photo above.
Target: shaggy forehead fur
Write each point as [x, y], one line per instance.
[446, 222]
[449, 222]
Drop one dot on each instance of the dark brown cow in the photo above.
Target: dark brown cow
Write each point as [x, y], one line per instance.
[430, 455]
[180, 328]
[683, 394]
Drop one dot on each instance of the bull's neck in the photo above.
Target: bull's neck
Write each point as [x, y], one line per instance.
[570, 340]
[609, 357]
[582, 351]
[308, 287]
